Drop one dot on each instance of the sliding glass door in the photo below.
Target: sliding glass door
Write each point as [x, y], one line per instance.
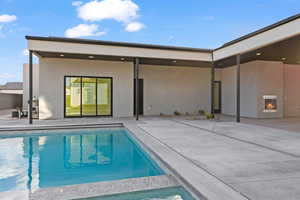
[88, 96]
[104, 96]
[73, 96]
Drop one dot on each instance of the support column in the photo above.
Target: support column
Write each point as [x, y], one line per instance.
[136, 79]
[238, 88]
[30, 87]
[212, 89]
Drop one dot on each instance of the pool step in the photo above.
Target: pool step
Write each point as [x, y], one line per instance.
[104, 188]
[58, 127]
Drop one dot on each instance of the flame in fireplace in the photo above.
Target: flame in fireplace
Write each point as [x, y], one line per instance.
[270, 103]
[270, 106]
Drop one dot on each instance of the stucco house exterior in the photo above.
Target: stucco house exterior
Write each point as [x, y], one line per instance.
[254, 76]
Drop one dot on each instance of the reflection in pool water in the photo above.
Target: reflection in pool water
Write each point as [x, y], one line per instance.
[88, 150]
[66, 158]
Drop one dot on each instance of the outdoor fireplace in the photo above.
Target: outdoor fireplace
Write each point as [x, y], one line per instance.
[270, 103]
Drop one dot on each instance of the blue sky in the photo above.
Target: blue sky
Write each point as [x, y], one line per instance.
[193, 23]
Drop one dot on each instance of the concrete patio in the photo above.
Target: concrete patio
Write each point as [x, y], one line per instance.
[258, 162]
[255, 162]
[288, 123]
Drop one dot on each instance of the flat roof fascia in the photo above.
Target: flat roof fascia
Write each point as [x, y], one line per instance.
[115, 50]
[258, 40]
[112, 43]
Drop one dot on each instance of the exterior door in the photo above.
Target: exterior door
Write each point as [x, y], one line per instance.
[141, 97]
[217, 97]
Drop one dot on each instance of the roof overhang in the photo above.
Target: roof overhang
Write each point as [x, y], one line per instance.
[286, 51]
[80, 48]
[142, 60]
[269, 35]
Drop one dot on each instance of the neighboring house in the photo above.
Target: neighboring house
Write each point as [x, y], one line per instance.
[11, 95]
[83, 78]
[12, 88]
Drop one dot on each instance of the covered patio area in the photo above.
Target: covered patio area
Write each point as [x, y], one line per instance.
[259, 73]
[126, 79]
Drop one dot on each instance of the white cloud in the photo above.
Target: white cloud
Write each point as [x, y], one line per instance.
[134, 26]
[123, 11]
[76, 3]
[25, 52]
[83, 30]
[7, 76]
[120, 10]
[7, 18]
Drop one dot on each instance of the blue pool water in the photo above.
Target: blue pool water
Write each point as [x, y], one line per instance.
[71, 157]
[175, 193]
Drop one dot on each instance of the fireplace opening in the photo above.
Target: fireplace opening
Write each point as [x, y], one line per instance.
[270, 103]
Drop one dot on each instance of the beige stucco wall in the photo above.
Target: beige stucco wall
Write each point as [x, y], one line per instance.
[228, 80]
[291, 90]
[52, 72]
[26, 83]
[269, 82]
[166, 89]
[258, 78]
[218, 74]
[248, 90]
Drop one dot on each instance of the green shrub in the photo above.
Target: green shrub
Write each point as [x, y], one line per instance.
[209, 115]
[176, 113]
[201, 112]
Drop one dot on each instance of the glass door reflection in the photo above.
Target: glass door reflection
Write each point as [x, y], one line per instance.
[89, 96]
[104, 99]
[73, 96]
[88, 150]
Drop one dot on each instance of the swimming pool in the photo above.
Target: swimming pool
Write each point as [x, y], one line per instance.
[174, 193]
[61, 158]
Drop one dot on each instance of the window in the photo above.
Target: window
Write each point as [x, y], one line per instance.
[88, 96]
